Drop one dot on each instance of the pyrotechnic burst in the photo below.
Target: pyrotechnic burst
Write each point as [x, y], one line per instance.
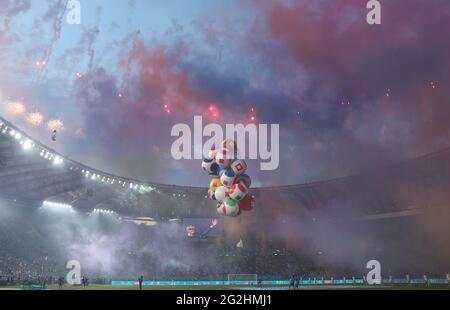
[213, 111]
[55, 124]
[35, 118]
[167, 109]
[15, 108]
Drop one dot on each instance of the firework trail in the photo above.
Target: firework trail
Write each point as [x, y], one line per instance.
[92, 36]
[59, 9]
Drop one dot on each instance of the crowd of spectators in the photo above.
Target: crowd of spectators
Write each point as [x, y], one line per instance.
[28, 255]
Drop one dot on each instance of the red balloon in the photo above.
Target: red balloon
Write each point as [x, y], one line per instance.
[247, 203]
[239, 212]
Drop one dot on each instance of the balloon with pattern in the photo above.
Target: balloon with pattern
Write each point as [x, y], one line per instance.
[209, 166]
[227, 178]
[238, 191]
[229, 207]
[230, 145]
[247, 203]
[224, 158]
[244, 179]
[221, 193]
[212, 152]
[239, 166]
[211, 194]
[215, 183]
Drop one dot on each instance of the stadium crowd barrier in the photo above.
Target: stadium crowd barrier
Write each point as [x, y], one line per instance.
[392, 281]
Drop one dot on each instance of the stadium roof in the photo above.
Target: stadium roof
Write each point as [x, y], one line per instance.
[31, 172]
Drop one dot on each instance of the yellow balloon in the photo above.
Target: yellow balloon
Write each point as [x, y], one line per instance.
[214, 184]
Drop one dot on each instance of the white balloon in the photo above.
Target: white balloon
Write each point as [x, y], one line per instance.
[221, 193]
[228, 208]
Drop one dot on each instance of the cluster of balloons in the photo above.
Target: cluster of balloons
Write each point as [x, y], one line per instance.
[229, 184]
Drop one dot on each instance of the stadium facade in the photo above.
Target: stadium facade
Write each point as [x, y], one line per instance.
[31, 172]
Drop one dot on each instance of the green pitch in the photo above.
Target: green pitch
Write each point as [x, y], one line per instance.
[96, 287]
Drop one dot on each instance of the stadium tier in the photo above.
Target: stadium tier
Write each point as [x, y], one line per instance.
[31, 172]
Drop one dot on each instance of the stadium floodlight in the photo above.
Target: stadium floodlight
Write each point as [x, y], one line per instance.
[27, 145]
[56, 205]
[103, 211]
[57, 161]
[18, 136]
[12, 132]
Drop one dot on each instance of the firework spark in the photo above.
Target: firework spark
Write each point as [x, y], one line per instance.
[55, 124]
[15, 108]
[35, 118]
[213, 111]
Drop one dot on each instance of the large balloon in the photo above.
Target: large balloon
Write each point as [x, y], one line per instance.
[224, 158]
[212, 152]
[227, 178]
[247, 203]
[211, 194]
[209, 166]
[221, 193]
[238, 191]
[214, 184]
[238, 166]
[244, 178]
[229, 207]
[230, 145]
